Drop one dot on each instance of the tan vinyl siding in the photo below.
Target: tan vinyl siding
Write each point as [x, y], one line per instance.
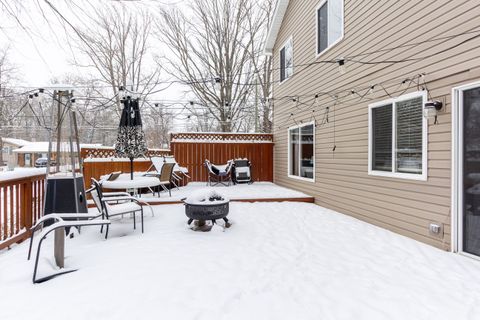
[342, 182]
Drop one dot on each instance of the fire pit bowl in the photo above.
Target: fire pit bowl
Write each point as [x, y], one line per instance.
[208, 205]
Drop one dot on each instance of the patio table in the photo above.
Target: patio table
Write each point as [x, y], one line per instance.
[123, 182]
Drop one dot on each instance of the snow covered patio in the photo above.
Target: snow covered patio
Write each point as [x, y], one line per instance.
[277, 261]
[258, 191]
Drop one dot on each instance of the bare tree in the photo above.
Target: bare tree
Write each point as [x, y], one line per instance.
[9, 102]
[157, 122]
[95, 110]
[115, 45]
[219, 40]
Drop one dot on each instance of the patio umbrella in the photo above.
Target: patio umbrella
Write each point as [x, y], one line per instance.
[131, 138]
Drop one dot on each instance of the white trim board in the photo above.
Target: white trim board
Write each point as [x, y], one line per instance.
[391, 174]
[457, 168]
[289, 151]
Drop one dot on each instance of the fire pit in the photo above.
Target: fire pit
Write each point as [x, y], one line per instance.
[206, 205]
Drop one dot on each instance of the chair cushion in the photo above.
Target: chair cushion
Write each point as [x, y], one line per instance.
[126, 207]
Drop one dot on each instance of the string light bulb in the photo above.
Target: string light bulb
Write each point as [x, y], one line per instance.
[342, 68]
[217, 83]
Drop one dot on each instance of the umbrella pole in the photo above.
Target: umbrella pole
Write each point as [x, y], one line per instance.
[131, 168]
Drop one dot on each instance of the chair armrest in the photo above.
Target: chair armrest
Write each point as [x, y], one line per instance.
[115, 194]
[151, 174]
[61, 216]
[119, 198]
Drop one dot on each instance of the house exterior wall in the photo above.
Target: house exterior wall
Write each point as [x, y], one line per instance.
[9, 158]
[342, 182]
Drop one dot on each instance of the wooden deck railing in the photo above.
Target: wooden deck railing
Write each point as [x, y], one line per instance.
[21, 205]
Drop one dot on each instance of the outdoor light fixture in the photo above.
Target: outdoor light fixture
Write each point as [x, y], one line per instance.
[431, 108]
[341, 65]
[217, 82]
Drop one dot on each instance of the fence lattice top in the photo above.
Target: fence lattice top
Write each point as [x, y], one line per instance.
[222, 137]
[110, 152]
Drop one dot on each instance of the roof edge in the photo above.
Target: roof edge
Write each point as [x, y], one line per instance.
[278, 14]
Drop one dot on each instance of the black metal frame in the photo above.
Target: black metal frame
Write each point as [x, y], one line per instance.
[236, 165]
[104, 210]
[216, 179]
[60, 223]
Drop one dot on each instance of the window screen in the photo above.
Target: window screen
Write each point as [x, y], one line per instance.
[409, 135]
[294, 151]
[322, 32]
[282, 64]
[329, 24]
[382, 138]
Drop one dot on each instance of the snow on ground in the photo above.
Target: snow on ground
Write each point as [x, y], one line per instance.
[256, 190]
[277, 261]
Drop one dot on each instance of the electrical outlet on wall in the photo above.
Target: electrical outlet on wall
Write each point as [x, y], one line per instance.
[436, 229]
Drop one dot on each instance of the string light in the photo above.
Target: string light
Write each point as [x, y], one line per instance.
[341, 66]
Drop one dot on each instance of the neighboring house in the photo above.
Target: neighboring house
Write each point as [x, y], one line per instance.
[29, 153]
[352, 125]
[9, 144]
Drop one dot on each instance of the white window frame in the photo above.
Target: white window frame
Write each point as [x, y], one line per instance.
[299, 154]
[318, 54]
[412, 176]
[457, 169]
[280, 59]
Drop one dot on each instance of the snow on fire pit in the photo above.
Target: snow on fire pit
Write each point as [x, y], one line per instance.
[206, 205]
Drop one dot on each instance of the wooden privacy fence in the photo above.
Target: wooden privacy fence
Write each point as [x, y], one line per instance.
[191, 150]
[100, 161]
[21, 205]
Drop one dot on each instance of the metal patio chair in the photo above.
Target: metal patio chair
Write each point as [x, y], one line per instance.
[157, 164]
[79, 220]
[124, 204]
[219, 174]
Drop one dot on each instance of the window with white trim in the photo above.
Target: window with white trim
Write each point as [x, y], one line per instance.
[329, 24]
[301, 151]
[398, 137]
[286, 60]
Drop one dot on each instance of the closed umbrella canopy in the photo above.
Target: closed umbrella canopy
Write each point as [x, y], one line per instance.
[131, 138]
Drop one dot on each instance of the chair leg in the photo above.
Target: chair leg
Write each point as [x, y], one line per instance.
[106, 231]
[134, 222]
[142, 218]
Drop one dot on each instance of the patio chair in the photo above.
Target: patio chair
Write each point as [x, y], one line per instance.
[219, 174]
[81, 220]
[157, 164]
[129, 204]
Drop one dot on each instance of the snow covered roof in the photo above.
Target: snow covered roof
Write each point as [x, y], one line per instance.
[15, 142]
[278, 14]
[42, 147]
